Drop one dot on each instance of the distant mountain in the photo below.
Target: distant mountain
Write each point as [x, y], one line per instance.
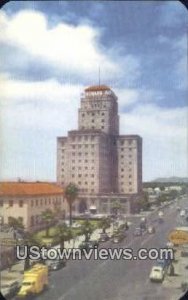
[172, 179]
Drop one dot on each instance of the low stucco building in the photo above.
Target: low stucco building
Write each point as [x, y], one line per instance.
[27, 201]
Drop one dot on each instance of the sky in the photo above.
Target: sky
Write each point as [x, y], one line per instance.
[50, 51]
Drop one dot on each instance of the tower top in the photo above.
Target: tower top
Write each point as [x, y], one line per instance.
[96, 88]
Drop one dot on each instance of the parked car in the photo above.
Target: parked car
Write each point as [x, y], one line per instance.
[55, 264]
[151, 229]
[138, 231]
[104, 237]
[89, 245]
[163, 263]
[9, 289]
[118, 238]
[157, 274]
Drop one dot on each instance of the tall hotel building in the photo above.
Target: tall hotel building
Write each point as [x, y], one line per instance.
[104, 165]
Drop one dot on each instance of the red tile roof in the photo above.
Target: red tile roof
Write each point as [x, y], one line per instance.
[96, 88]
[29, 189]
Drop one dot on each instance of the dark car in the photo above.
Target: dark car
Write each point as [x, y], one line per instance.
[118, 238]
[138, 231]
[8, 290]
[104, 237]
[88, 245]
[55, 264]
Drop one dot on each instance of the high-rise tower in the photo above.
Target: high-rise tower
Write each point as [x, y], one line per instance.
[104, 165]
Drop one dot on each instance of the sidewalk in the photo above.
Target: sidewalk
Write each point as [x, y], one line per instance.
[181, 274]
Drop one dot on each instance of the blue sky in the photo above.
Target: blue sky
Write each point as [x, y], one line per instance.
[50, 51]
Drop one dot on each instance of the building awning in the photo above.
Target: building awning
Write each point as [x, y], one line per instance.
[92, 207]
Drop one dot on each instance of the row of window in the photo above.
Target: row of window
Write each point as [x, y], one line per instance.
[81, 153]
[123, 190]
[92, 127]
[80, 146]
[11, 203]
[122, 142]
[82, 138]
[93, 113]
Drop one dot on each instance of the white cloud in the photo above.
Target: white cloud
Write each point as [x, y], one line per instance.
[68, 47]
[165, 135]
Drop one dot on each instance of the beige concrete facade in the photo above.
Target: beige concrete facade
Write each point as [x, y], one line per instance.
[102, 163]
[27, 201]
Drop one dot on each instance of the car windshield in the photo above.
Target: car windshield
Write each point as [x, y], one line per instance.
[26, 283]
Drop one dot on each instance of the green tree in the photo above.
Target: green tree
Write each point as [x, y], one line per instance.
[48, 217]
[64, 233]
[16, 223]
[116, 207]
[144, 203]
[104, 224]
[86, 229]
[71, 193]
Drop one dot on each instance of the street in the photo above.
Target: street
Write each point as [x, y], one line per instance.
[116, 280]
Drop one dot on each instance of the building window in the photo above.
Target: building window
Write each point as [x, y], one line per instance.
[130, 183]
[83, 115]
[122, 156]
[102, 120]
[73, 168]
[93, 114]
[122, 170]
[21, 203]
[92, 175]
[10, 202]
[73, 161]
[86, 153]
[130, 176]
[73, 146]
[80, 153]
[130, 163]
[79, 175]
[1, 202]
[86, 182]
[122, 142]
[32, 202]
[73, 153]
[79, 182]
[130, 156]
[86, 160]
[122, 176]
[86, 146]
[102, 127]
[102, 114]
[130, 142]
[73, 175]
[86, 168]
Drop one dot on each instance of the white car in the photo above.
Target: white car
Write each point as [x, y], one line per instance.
[182, 213]
[157, 274]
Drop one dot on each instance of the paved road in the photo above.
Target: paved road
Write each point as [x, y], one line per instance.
[115, 280]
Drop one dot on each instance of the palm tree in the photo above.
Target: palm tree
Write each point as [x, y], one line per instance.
[71, 193]
[104, 224]
[63, 233]
[47, 216]
[86, 229]
[116, 207]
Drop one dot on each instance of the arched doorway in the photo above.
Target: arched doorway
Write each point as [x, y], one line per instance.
[82, 206]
